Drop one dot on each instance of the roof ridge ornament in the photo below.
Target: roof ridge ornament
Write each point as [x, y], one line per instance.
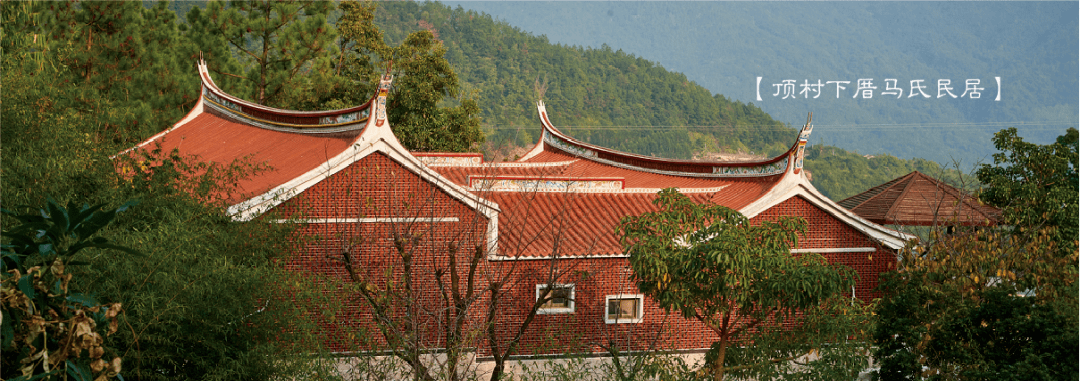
[807, 128]
[380, 103]
[804, 135]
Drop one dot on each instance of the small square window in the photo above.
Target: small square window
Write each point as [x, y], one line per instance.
[624, 309]
[560, 299]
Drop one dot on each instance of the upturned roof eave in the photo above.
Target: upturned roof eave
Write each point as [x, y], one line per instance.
[707, 168]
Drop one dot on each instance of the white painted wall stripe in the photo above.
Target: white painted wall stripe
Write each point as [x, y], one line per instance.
[368, 220]
[836, 250]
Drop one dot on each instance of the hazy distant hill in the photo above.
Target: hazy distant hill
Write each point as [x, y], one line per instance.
[724, 46]
[602, 96]
[617, 100]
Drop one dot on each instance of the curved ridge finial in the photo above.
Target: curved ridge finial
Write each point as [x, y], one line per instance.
[807, 128]
[800, 152]
[380, 101]
[541, 110]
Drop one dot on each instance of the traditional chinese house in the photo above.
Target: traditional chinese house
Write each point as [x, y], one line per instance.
[360, 195]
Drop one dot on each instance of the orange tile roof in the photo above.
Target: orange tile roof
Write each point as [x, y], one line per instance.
[558, 165]
[569, 196]
[213, 138]
[533, 223]
[538, 224]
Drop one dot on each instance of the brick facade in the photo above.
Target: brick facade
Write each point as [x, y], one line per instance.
[398, 217]
[825, 231]
[379, 187]
[361, 210]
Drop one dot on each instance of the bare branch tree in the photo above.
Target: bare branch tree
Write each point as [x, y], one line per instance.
[424, 276]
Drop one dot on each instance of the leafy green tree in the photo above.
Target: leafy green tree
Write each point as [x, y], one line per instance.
[51, 330]
[999, 302]
[210, 299]
[425, 107]
[768, 307]
[278, 41]
[1036, 185]
[52, 140]
[204, 41]
[980, 304]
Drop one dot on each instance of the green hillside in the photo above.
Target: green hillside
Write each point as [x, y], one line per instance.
[724, 46]
[602, 96]
[615, 99]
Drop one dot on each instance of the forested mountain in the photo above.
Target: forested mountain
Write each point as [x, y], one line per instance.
[603, 96]
[725, 46]
[615, 99]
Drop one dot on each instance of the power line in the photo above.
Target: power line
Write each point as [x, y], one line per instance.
[1049, 125]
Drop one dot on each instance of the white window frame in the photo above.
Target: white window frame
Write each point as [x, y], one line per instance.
[555, 310]
[640, 309]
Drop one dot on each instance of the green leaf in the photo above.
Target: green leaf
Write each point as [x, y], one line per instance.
[89, 221]
[11, 256]
[59, 216]
[36, 376]
[26, 285]
[78, 372]
[80, 298]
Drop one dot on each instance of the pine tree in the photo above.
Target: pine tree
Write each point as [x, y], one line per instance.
[276, 40]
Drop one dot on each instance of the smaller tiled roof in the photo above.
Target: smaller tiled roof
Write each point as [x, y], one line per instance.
[920, 200]
[536, 219]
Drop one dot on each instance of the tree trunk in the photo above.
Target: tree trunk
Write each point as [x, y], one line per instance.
[718, 366]
[500, 367]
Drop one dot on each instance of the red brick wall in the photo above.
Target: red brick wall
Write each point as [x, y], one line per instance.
[585, 329]
[825, 231]
[379, 187]
[596, 278]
